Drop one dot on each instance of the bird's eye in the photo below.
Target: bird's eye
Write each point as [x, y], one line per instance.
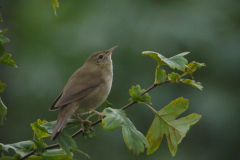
[100, 56]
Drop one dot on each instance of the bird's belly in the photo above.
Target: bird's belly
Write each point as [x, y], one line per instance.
[93, 100]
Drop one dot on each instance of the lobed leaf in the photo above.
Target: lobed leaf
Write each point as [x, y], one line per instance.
[72, 123]
[193, 66]
[136, 92]
[174, 77]
[165, 123]
[57, 154]
[67, 143]
[39, 130]
[177, 61]
[39, 146]
[134, 139]
[6, 58]
[160, 76]
[193, 83]
[54, 5]
[3, 111]
[21, 148]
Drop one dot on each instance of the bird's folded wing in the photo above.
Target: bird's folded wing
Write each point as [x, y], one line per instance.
[79, 85]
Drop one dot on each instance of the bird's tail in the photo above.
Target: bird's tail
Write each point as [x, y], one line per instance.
[63, 116]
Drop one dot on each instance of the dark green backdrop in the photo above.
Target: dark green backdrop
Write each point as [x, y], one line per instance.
[49, 49]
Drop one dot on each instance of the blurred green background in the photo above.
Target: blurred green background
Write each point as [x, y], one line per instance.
[49, 49]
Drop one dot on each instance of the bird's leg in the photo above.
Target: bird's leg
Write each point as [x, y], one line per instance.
[98, 113]
[82, 121]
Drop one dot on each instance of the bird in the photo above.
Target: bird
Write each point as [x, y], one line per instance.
[86, 89]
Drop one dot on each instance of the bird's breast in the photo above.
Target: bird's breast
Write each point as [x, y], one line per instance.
[96, 97]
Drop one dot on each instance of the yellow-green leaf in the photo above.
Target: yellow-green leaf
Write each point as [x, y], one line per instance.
[165, 123]
[6, 58]
[193, 66]
[193, 83]
[136, 92]
[160, 76]
[2, 87]
[174, 77]
[39, 130]
[39, 147]
[54, 5]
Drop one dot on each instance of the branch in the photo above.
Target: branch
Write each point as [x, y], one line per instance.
[95, 123]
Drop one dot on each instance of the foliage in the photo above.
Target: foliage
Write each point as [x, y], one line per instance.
[164, 123]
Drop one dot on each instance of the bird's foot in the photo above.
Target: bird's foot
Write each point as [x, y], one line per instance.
[83, 121]
[98, 113]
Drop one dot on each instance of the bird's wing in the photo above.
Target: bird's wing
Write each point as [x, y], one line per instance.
[81, 83]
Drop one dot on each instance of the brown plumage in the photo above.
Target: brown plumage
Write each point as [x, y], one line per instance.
[86, 89]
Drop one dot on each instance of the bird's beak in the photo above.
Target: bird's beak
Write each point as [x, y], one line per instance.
[112, 49]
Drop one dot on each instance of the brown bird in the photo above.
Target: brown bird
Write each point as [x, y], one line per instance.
[86, 89]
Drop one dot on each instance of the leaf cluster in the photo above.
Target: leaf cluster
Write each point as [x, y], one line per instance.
[165, 120]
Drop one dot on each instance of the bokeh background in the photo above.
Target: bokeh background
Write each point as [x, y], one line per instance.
[49, 49]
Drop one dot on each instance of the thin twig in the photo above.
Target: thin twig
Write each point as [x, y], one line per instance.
[95, 123]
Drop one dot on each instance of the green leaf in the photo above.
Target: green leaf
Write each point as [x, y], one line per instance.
[177, 61]
[3, 111]
[6, 58]
[72, 123]
[39, 130]
[4, 39]
[21, 148]
[160, 76]
[54, 152]
[136, 92]
[165, 123]
[2, 49]
[4, 31]
[17, 156]
[174, 77]
[57, 154]
[193, 83]
[39, 146]
[114, 118]
[90, 133]
[134, 139]
[108, 104]
[67, 143]
[49, 126]
[54, 5]
[193, 66]
[2, 87]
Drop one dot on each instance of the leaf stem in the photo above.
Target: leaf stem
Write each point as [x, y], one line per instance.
[149, 107]
[95, 123]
